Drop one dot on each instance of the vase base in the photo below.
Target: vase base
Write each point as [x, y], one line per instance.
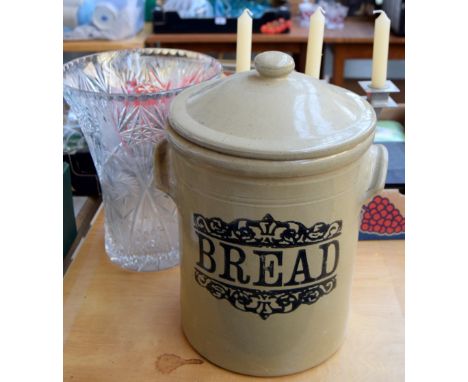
[146, 263]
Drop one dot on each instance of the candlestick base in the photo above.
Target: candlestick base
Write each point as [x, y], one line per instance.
[380, 98]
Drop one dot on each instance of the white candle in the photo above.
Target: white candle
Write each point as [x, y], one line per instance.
[380, 52]
[244, 41]
[315, 43]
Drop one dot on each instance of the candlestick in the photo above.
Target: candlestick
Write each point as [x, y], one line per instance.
[244, 41]
[315, 43]
[380, 98]
[380, 50]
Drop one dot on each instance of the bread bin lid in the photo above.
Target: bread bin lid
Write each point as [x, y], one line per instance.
[272, 112]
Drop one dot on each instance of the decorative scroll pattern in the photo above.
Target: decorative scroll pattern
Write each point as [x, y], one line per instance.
[263, 302]
[267, 232]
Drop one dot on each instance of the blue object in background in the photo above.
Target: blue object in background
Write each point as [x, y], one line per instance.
[119, 4]
[85, 12]
[258, 8]
[102, 19]
[87, 8]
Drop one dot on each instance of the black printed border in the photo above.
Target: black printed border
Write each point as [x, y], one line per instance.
[265, 303]
[266, 232]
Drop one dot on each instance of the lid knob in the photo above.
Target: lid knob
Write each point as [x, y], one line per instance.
[274, 64]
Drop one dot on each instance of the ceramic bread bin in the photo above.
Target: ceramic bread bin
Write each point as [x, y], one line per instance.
[269, 169]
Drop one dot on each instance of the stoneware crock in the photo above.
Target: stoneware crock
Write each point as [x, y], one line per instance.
[269, 169]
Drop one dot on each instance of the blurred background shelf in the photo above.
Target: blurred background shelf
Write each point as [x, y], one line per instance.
[354, 41]
[138, 41]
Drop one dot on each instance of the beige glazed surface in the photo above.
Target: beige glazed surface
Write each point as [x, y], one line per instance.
[268, 221]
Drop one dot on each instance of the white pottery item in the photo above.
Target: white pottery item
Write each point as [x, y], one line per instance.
[269, 169]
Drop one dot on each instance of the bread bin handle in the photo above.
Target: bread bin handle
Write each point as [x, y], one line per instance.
[162, 168]
[379, 155]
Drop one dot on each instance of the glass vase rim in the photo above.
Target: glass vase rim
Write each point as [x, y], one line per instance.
[187, 54]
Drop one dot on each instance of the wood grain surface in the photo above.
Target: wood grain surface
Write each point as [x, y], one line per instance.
[125, 326]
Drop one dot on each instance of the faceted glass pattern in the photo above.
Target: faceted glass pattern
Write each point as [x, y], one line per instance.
[122, 101]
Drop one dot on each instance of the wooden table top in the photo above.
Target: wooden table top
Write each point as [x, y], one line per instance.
[125, 326]
[356, 30]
